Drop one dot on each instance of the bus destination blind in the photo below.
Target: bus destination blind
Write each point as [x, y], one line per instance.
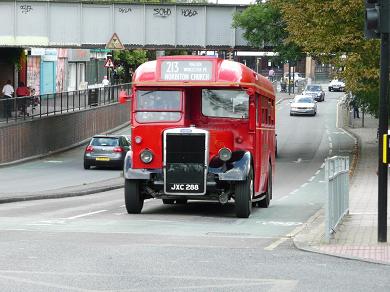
[179, 70]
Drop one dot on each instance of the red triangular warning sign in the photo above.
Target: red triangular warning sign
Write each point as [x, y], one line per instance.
[114, 43]
[109, 64]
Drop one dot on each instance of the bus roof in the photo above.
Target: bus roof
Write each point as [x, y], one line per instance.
[200, 71]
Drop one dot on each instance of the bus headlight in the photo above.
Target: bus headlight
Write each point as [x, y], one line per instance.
[225, 154]
[146, 156]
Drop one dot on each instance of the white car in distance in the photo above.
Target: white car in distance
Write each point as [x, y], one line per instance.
[303, 105]
[336, 85]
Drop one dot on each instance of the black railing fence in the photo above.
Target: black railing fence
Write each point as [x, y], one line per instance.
[38, 106]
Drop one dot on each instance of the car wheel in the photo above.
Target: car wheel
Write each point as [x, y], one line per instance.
[330, 88]
[291, 114]
[268, 195]
[134, 200]
[168, 201]
[243, 196]
[86, 165]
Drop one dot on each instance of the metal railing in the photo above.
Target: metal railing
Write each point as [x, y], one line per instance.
[38, 106]
[337, 182]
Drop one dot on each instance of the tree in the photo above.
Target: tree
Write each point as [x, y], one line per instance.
[332, 31]
[264, 26]
[127, 61]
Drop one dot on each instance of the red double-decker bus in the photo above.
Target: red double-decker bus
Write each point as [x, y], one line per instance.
[202, 128]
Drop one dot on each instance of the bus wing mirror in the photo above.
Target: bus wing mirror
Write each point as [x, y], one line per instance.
[250, 91]
[123, 96]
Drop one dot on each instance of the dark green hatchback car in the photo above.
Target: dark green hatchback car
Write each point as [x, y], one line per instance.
[106, 150]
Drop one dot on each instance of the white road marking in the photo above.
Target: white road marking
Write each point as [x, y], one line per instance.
[53, 161]
[299, 160]
[304, 185]
[330, 145]
[280, 223]
[294, 191]
[275, 244]
[86, 214]
[289, 235]
[318, 172]
[330, 138]
[321, 181]
[312, 178]
[322, 165]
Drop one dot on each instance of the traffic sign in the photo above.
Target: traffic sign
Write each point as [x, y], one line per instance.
[114, 43]
[109, 64]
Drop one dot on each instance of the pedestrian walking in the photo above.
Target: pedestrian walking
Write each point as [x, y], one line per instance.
[8, 92]
[271, 75]
[355, 108]
[105, 81]
[22, 91]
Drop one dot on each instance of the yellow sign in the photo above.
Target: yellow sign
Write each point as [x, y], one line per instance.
[114, 43]
[385, 146]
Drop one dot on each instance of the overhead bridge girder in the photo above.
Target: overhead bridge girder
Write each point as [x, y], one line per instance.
[77, 24]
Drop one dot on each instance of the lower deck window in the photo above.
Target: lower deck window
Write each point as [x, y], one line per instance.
[225, 103]
[158, 106]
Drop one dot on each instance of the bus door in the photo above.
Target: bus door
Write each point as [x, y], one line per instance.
[257, 158]
[264, 139]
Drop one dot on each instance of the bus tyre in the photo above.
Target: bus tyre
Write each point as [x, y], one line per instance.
[168, 201]
[243, 196]
[264, 203]
[134, 200]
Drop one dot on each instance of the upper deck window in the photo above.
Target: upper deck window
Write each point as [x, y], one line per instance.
[225, 103]
[158, 106]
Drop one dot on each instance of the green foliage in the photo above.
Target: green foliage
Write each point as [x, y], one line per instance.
[127, 61]
[332, 32]
[11, 55]
[133, 58]
[264, 26]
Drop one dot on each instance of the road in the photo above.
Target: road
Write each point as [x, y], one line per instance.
[53, 172]
[90, 243]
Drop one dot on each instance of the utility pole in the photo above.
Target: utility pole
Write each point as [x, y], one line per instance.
[377, 24]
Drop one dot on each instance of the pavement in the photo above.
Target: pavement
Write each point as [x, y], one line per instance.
[356, 236]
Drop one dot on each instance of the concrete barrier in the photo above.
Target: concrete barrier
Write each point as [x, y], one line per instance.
[35, 138]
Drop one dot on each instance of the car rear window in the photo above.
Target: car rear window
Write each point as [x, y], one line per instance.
[313, 88]
[303, 100]
[105, 141]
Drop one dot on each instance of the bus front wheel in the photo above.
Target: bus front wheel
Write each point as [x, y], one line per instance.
[243, 196]
[134, 200]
